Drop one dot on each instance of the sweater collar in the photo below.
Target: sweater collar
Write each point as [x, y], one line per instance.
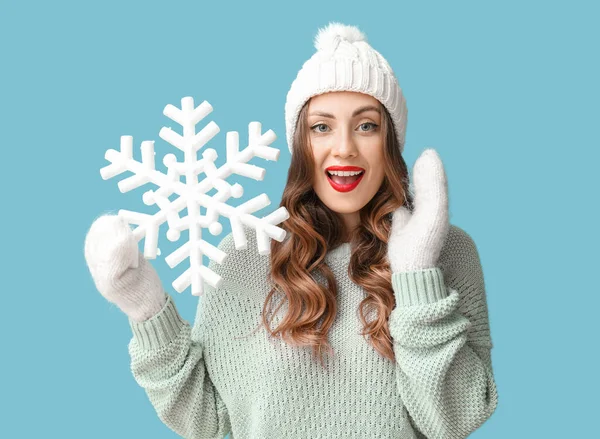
[342, 251]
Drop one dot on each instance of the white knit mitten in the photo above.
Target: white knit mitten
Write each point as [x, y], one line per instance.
[121, 273]
[416, 239]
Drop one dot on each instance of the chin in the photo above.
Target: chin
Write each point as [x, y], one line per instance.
[345, 208]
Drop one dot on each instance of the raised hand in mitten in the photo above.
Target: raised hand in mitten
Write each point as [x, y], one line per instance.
[121, 273]
[416, 238]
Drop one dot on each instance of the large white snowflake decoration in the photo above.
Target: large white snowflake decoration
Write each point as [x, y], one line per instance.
[192, 194]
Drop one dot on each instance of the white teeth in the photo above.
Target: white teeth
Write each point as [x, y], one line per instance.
[345, 173]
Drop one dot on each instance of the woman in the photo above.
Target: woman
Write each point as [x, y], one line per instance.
[359, 259]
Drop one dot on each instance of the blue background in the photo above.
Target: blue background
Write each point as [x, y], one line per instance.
[507, 93]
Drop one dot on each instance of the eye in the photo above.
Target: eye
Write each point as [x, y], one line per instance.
[369, 124]
[315, 127]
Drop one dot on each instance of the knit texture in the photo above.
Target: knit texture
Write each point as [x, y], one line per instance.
[218, 377]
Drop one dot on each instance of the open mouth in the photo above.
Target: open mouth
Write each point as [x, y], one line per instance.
[344, 179]
[344, 183]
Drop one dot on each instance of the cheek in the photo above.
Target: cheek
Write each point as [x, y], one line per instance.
[318, 157]
[379, 171]
[377, 178]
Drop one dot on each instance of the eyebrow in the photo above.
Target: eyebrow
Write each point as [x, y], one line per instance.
[356, 112]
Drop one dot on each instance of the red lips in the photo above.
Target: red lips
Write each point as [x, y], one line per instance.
[344, 187]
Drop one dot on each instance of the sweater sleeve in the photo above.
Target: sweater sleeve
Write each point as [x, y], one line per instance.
[167, 361]
[442, 344]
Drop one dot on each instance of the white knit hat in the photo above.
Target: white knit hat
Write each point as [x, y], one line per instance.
[344, 61]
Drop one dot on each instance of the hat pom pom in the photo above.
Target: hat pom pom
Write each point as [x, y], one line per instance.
[326, 37]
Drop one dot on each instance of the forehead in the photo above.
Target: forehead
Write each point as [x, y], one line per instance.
[340, 101]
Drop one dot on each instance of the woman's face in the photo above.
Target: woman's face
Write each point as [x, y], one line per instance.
[345, 131]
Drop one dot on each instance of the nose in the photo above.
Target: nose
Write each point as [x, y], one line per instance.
[344, 145]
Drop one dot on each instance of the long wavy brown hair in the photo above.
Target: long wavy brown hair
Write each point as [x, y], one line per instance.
[313, 229]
